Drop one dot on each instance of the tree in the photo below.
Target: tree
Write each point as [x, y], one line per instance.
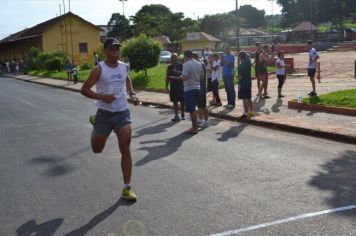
[219, 25]
[296, 11]
[156, 19]
[254, 17]
[143, 53]
[119, 27]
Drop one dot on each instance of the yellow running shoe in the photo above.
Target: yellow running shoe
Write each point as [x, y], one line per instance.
[92, 119]
[250, 114]
[128, 194]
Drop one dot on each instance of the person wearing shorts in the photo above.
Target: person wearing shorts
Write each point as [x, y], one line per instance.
[313, 60]
[245, 83]
[257, 66]
[191, 75]
[112, 81]
[203, 113]
[263, 73]
[175, 90]
[280, 72]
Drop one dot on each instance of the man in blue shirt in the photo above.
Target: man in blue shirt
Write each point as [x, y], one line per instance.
[227, 62]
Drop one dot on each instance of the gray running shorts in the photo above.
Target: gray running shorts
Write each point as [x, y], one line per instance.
[107, 121]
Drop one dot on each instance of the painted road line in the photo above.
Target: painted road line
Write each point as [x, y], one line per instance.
[290, 219]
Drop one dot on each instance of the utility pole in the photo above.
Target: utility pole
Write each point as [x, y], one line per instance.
[237, 27]
[123, 6]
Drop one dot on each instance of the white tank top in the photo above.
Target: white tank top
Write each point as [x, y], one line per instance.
[113, 81]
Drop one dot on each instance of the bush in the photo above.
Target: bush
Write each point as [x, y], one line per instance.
[86, 66]
[54, 63]
[142, 52]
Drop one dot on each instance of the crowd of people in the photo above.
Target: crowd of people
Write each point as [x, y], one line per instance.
[188, 83]
[12, 66]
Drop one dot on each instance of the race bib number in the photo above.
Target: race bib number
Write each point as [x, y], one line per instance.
[118, 91]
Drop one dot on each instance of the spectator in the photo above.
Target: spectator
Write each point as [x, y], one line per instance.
[263, 72]
[313, 60]
[75, 71]
[227, 62]
[68, 68]
[203, 113]
[191, 75]
[257, 67]
[216, 79]
[280, 72]
[245, 83]
[175, 90]
[96, 58]
[209, 70]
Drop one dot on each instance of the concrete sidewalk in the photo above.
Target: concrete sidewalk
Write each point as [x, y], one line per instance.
[269, 113]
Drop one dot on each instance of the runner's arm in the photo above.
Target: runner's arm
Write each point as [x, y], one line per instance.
[130, 91]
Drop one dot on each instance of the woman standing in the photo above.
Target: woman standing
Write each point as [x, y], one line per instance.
[245, 84]
[280, 72]
[69, 68]
[264, 60]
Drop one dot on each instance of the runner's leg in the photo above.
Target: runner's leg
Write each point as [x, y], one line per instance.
[124, 140]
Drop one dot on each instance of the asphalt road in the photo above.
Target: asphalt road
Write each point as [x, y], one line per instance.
[229, 176]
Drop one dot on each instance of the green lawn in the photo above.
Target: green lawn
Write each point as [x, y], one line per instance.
[62, 75]
[344, 98]
[154, 81]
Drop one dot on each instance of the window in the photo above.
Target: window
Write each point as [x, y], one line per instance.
[83, 47]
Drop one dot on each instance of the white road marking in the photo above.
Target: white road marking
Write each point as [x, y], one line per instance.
[290, 219]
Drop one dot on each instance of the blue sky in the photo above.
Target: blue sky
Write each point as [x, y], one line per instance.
[17, 15]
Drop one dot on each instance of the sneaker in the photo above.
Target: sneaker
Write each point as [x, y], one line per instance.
[311, 93]
[204, 124]
[229, 106]
[128, 194]
[175, 118]
[182, 117]
[199, 122]
[92, 119]
[218, 104]
[250, 114]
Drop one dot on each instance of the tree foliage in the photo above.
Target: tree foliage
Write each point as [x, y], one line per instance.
[254, 18]
[156, 19]
[119, 27]
[316, 11]
[143, 53]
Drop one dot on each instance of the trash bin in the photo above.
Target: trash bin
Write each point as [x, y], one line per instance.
[290, 62]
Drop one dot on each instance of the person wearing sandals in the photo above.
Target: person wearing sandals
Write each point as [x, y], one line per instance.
[263, 73]
[174, 86]
[245, 84]
[191, 75]
[280, 72]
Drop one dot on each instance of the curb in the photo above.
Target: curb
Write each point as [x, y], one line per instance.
[283, 127]
[321, 108]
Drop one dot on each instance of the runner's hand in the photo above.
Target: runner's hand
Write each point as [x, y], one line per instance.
[109, 98]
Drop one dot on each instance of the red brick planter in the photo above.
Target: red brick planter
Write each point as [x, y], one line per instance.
[327, 109]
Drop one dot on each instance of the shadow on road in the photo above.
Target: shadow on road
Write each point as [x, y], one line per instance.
[56, 165]
[98, 218]
[258, 104]
[338, 177]
[160, 128]
[232, 132]
[168, 147]
[45, 229]
[49, 228]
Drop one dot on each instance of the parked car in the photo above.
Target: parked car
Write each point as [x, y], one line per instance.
[165, 57]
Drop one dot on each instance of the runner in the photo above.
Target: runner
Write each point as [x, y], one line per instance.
[203, 113]
[191, 76]
[280, 72]
[175, 90]
[257, 65]
[111, 78]
[313, 59]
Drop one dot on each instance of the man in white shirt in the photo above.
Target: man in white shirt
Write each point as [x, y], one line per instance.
[313, 61]
[112, 81]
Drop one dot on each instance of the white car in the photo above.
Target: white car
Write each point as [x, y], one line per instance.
[165, 57]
